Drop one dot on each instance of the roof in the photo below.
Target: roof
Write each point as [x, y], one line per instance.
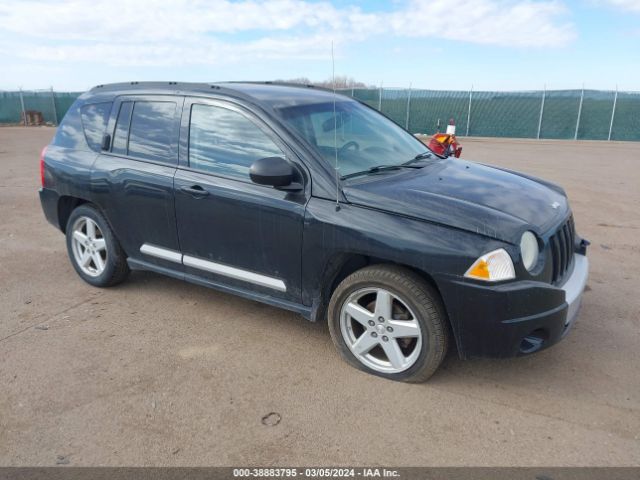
[275, 95]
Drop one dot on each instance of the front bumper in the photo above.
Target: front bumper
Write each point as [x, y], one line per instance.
[574, 287]
[514, 318]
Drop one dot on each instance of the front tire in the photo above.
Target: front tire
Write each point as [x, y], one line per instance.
[93, 249]
[388, 321]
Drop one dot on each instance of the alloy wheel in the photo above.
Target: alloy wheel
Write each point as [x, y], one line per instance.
[381, 330]
[89, 246]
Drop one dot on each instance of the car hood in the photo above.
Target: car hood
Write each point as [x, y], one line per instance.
[487, 200]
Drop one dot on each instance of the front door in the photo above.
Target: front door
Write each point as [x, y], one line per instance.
[232, 231]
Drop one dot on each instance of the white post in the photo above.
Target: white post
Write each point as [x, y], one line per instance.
[575, 137]
[53, 104]
[24, 113]
[613, 113]
[544, 95]
[469, 111]
[380, 98]
[408, 107]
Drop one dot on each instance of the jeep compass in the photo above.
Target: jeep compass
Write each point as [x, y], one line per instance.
[314, 202]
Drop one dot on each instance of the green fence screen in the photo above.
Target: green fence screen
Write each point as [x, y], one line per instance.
[559, 114]
[52, 105]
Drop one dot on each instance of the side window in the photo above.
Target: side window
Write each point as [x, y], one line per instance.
[153, 126]
[122, 129]
[226, 142]
[69, 133]
[94, 123]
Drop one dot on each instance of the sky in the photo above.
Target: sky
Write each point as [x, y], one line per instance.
[432, 44]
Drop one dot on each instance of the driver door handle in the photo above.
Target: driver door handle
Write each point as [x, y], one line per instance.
[195, 191]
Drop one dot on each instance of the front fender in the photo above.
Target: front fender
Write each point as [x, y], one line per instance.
[332, 237]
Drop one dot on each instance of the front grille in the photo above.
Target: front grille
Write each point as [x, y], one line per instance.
[562, 244]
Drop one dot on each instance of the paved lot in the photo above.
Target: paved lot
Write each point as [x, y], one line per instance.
[159, 372]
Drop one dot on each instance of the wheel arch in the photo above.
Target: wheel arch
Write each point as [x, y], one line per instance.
[341, 265]
[66, 205]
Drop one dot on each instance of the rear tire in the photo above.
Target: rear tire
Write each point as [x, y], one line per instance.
[93, 249]
[387, 321]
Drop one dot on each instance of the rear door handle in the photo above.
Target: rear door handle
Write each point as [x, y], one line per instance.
[195, 191]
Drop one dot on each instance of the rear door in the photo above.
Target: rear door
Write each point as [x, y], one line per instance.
[133, 180]
[231, 230]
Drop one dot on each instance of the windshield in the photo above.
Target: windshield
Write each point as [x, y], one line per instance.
[364, 138]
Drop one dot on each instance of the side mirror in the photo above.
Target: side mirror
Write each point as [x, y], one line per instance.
[272, 171]
[106, 142]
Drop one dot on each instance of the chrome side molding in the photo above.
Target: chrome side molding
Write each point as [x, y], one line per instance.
[233, 272]
[213, 267]
[163, 253]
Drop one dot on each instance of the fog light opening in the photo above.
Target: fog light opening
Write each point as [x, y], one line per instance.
[533, 342]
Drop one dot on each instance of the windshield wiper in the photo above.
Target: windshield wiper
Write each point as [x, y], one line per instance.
[380, 168]
[420, 156]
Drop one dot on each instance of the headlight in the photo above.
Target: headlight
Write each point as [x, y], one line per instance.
[529, 250]
[492, 267]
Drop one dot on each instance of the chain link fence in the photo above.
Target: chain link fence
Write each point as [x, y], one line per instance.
[35, 106]
[556, 114]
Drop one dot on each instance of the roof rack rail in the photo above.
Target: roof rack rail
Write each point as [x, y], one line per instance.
[280, 84]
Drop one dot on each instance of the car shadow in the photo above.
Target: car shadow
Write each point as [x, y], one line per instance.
[151, 281]
[527, 371]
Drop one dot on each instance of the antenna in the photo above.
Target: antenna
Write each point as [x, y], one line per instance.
[335, 126]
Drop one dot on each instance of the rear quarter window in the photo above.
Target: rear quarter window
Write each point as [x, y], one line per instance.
[82, 126]
[94, 122]
[69, 133]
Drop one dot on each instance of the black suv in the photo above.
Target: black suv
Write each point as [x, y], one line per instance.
[314, 202]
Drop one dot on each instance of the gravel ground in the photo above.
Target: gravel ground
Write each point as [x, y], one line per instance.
[159, 372]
